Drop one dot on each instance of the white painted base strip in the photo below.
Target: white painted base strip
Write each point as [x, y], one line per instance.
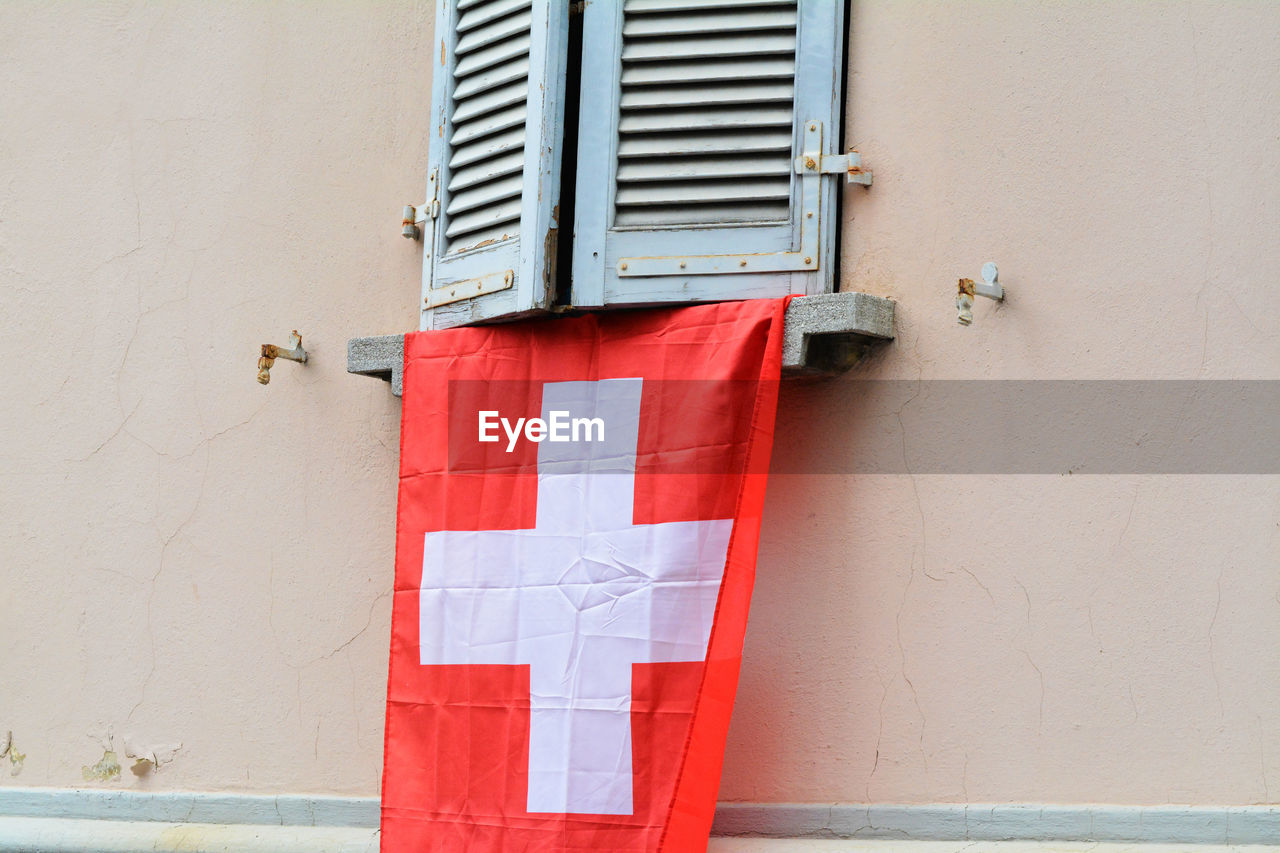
[189, 807]
[77, 835]
[791, 845]
[56, 820]
[1004, 822]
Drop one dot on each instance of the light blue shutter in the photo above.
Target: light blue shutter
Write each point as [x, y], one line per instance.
[697, 119]
[497, 125]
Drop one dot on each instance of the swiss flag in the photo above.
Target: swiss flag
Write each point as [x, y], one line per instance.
[579, 512]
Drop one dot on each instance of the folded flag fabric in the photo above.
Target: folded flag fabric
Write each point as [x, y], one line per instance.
[579, 512]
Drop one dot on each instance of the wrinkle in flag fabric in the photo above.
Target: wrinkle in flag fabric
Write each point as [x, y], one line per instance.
[571, 595]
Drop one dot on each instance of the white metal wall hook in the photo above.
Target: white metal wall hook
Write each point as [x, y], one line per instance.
[990, 284]
[967, 289]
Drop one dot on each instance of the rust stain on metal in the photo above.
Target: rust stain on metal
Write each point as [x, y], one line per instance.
[264, 370]
[409, 221]
[966, 287]
[270, 352]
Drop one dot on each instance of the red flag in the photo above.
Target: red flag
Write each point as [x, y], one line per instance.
[578, 518]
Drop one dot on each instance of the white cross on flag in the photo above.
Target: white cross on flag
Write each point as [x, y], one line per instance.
[579, 508]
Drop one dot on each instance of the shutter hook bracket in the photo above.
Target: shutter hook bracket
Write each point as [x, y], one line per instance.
[967, 289]
[270, 352]
[848, 164]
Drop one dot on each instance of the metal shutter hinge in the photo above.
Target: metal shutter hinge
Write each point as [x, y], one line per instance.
[415, 214]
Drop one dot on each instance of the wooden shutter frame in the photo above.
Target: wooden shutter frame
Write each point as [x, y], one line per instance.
[599, 249]
[515, 276]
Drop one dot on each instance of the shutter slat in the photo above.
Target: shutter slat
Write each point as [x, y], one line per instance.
[696, 192]
[486, 170]
[495, 99]
[647, 7]
[709, 71]
[701, 169]
[480, 211]
[510, 117]
[493, 77]
[494, 32]
[664, 97]
[651, 121]
[641, 7]
[662, 216]
[479, 196]
[490, 11]
[512, 48]
[486, 235]
[736, 20]
[489, 146]
[462, 228]
[736, 142]
[710, 46]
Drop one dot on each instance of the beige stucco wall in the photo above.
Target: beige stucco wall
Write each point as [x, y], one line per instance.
[192, 558]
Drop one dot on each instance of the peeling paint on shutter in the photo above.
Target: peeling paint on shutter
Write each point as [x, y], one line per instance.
[495, 163]
[693, 113]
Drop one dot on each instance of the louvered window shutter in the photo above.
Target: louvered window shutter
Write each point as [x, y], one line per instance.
[700, 169]
[497, 123]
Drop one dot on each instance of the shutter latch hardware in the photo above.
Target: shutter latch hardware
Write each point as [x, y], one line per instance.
[849, 165]
[415, 214]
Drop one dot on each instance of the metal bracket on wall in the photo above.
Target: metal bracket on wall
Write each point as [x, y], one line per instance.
[822, 334]
[811, 165]
[270, 352]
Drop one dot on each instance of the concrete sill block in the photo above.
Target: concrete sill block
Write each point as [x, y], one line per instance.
[824, 334]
